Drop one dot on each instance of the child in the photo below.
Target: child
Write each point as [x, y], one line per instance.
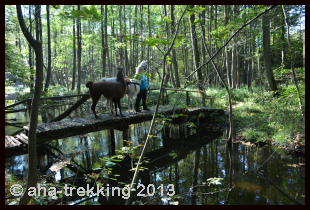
[143, 88]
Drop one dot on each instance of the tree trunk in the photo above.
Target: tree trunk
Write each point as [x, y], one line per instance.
[48, 73]
[228, 52]
[228, 66]
[39, 30]
[195, 50]
[245, 64]
[120, 39]
[203, 52]
[103, 46]
[283, 45]
[32, 149]
[267, 58]
[79, 52]
[141, 32]
[74, 57]
[168, 66]
[174, 56]
[30, 53]
[149, 24]
[216, 46]
[126, 55]
[106, 37]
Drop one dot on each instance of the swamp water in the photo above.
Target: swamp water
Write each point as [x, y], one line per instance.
[181, 162]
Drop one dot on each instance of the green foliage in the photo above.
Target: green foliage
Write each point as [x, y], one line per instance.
[250, 134]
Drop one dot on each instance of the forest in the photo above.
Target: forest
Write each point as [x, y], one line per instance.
[248, 59]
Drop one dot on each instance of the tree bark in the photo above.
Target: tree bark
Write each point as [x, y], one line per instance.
[30, 54]
[126, 55]
[174, 56]
[32, 149]
[141, 32]
[267, 58]
[195, 49]
[74, 57]
[283, 45]
[49, 62]
[227, 50]
[103, 46]
[79, 52]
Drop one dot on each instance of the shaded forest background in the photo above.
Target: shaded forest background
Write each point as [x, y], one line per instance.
[82, 43]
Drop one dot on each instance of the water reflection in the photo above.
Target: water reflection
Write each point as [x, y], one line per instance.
[180, 157]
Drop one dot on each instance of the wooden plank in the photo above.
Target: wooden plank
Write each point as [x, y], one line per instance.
[25, 137]
[7, 142]
[15, 141]
[40, 129]
[11, 142]
[22, 139]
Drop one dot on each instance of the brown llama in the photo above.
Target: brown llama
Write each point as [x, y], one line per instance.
[110, 90]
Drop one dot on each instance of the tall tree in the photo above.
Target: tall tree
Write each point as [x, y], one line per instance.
[195, 48]
[49, 62]
[106, 38]
[174, 56]
[125, 50]
[149, 24]
[203, 53]
[32, 147]
[120, 49]
[283, 43]
[30, 53]
[141, 32]
[234, 58]
[167, 34]
[266, 50]
[103, 46]
[79, 38]
[74, 57]
[227, 50]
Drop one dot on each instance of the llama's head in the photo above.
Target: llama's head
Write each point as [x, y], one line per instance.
[120, 74]
[142, 67]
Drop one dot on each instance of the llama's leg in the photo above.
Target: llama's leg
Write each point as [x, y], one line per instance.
[129, 108]
[115, 103]
[93, 106]
[119, 106]
[132, 105]
[110, 106]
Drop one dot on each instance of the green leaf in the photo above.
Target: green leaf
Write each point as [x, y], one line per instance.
[76, 13]
[56, 6]
[110, 164]
[160, 23]
[93, 10]
[164, 42]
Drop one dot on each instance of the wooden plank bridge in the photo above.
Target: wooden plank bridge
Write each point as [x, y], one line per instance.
[66, 128]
